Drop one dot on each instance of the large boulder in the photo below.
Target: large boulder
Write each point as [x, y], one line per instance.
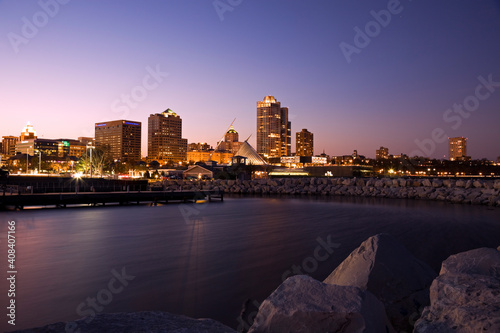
[302, 304]
[387, 269]
[465, 297]
[135, 322]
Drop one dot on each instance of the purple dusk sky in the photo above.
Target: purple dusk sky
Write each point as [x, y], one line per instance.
[358, 74]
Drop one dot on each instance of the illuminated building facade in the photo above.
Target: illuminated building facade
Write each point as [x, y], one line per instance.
[231, 142]
[165, 142]
[457, 148]
[120, 139]
[205, 156]
[304, 143]
[200, 146]
[87, 140]
[47, 147]
[273, 129]
[9, 145]
[28, 133]
[382, 153]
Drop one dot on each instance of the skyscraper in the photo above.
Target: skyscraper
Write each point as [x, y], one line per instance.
[165, 142]
[120, 139]
[457, 148]
[273, 129]
[304, 143]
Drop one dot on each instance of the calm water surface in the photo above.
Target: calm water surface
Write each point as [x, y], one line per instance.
[206, 260]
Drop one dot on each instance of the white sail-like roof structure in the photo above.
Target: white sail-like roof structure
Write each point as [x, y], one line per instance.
[251, 154]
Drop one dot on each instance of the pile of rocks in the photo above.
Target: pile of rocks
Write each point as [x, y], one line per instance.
[381, 287]
[478, 191]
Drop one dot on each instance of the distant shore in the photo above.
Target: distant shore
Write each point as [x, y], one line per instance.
[471, 191]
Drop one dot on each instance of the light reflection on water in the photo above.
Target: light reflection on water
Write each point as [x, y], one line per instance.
[208, 265]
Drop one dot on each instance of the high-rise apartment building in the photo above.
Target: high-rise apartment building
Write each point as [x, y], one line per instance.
[165, 142]
[304, 143]
[9, 145]
[382, 153]
[273, 129]
[457, 148]
[120, 139]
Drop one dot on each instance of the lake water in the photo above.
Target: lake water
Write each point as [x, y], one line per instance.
[206, 260]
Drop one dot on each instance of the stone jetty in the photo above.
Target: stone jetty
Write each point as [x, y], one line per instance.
[480, 191]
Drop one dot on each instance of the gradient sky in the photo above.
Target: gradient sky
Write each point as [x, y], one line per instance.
[73, 71]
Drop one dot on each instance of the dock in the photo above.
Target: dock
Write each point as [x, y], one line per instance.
[62, 200]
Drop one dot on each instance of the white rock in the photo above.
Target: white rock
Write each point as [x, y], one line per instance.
[302, 304]
[386, 268]
[465, 296]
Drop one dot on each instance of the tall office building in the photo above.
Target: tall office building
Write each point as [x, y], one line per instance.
[273, 129]
[120, 139]
[165, 142]
[382, 153]
[457, 148]
[9, 145]
[304, 143]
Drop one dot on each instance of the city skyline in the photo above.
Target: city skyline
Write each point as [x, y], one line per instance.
[399, 86]
[229, 145]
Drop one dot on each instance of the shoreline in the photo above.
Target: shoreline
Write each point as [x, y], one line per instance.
[458, 191]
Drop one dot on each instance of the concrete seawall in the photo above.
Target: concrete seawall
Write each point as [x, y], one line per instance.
[465, 191]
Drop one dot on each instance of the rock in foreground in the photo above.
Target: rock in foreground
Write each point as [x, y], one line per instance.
[136, 322]
[387, 269]
[302, 304]
[465, 297]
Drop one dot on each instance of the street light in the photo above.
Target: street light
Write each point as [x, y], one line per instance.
[90, 147]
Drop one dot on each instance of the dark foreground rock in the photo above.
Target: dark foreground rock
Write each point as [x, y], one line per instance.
[302, 304]
[465, 297]
[136, 322]
[387, 269]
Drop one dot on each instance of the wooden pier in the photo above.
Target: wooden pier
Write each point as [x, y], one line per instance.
[20, 201]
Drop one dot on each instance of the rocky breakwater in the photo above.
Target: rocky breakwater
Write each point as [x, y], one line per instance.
[382, 275]
[477, 191]
[465, 297]
[380, 287]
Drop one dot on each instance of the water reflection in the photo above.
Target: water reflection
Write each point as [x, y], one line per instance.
[228, 253]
